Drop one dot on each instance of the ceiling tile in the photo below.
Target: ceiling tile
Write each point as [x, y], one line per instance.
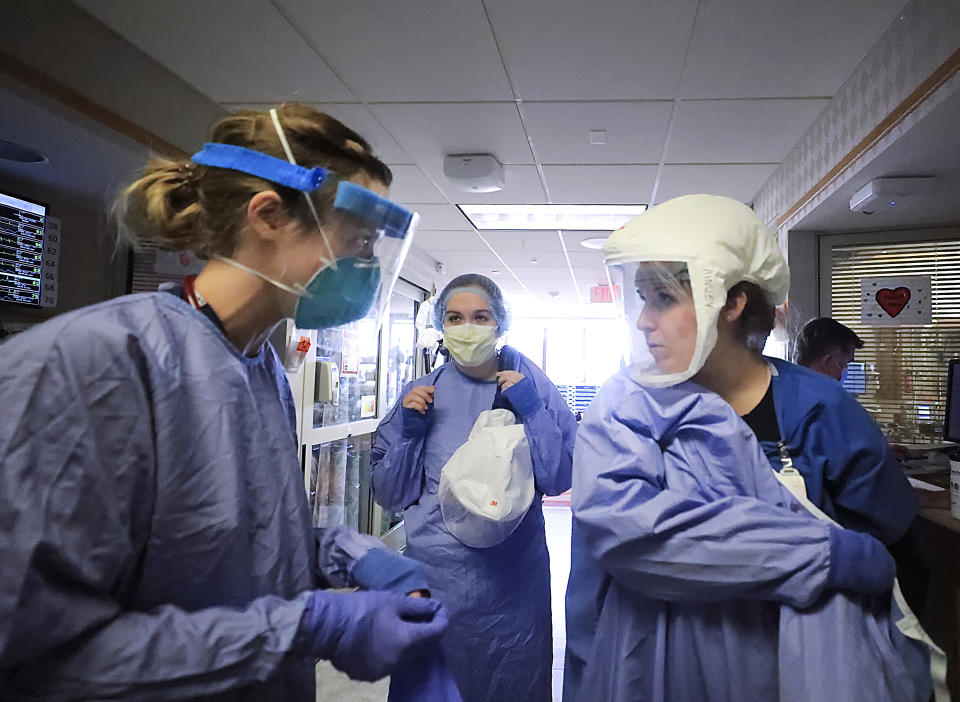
[436, 241]
[231, 50]
[740, 131]
[560, 131]
[591, 275]
[522, 240]
[430, 131]
[359, 119]
[554, 258]
[582, 257]
[575, 50]
[441, 218]
[543, 275]
[783, 48]
[355, 116]
[397, 51]
[522, 186]
[601, 185]
[410, 186]
[737, 181]
[459, 262]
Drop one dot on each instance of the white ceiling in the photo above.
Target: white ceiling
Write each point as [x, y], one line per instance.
[694, 95]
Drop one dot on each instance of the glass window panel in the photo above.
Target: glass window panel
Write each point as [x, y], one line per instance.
[527, 338]
[328, 481]
[604, 345]
[583, 351]
[388, 520]
[346, 355]
[402, 348]
[340, 481]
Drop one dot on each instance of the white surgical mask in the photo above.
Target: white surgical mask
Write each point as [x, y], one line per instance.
[471, 345]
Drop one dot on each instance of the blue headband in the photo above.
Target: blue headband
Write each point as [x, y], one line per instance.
[257, 163]
[352, 198]
[370, 207]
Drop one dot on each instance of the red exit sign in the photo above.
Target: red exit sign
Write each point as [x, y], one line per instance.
[603, 293]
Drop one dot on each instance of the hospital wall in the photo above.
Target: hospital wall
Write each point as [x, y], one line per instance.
[804, 296]
[82, 56]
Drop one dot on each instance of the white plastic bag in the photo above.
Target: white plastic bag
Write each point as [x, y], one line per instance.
[487, 485]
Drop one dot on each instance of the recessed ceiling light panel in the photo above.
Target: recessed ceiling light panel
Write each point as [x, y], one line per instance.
[593, 243]
[601, 218]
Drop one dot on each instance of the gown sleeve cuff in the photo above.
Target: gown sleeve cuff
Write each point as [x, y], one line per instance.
[413, 424]
[524, 398]
[858, 562]
[384, 569]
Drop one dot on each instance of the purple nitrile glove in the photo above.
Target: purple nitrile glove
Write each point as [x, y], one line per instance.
[368, 635]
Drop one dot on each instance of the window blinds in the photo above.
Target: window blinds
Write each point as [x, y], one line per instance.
[906, 367]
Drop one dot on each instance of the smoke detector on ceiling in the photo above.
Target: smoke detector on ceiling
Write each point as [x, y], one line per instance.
[888, 192]
[475, 173]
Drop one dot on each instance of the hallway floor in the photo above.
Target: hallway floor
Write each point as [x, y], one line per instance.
[333, 685]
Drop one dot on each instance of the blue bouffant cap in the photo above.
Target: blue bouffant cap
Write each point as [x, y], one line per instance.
[481, 285]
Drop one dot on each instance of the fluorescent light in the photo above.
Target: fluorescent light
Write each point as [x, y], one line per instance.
[601, 218]
[593, 243]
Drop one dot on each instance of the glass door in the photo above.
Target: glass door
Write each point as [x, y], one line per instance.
[351, 378]
[400, 367]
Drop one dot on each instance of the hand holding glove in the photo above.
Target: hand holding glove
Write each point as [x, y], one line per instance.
[368, 635]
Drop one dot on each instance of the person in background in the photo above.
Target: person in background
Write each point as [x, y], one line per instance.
[157, 542]
[826, 346]
[499, 645]
[682, 549]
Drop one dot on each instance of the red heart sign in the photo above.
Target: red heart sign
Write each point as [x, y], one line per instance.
[893, 301]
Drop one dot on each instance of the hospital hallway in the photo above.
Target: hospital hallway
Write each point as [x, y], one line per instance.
[333, 685]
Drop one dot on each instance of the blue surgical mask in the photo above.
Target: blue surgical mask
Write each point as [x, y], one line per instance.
[333, 296]
[338, 295]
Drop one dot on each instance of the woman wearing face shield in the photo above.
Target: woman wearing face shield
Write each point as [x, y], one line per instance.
[688, 555]
[157, 542]
[496, 582]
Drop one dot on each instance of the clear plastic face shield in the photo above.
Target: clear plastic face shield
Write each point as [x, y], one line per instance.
[366, 237]
[657, 303]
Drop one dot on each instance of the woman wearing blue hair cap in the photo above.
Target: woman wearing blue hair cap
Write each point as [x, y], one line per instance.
[481, 285]
[481, 536]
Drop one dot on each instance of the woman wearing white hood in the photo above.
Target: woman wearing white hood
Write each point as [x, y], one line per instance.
[690, 559]
[470, 482]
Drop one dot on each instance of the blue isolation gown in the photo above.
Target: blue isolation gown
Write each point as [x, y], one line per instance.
[685, 548]
[155, 539]
[499, 644]
[682, 551]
